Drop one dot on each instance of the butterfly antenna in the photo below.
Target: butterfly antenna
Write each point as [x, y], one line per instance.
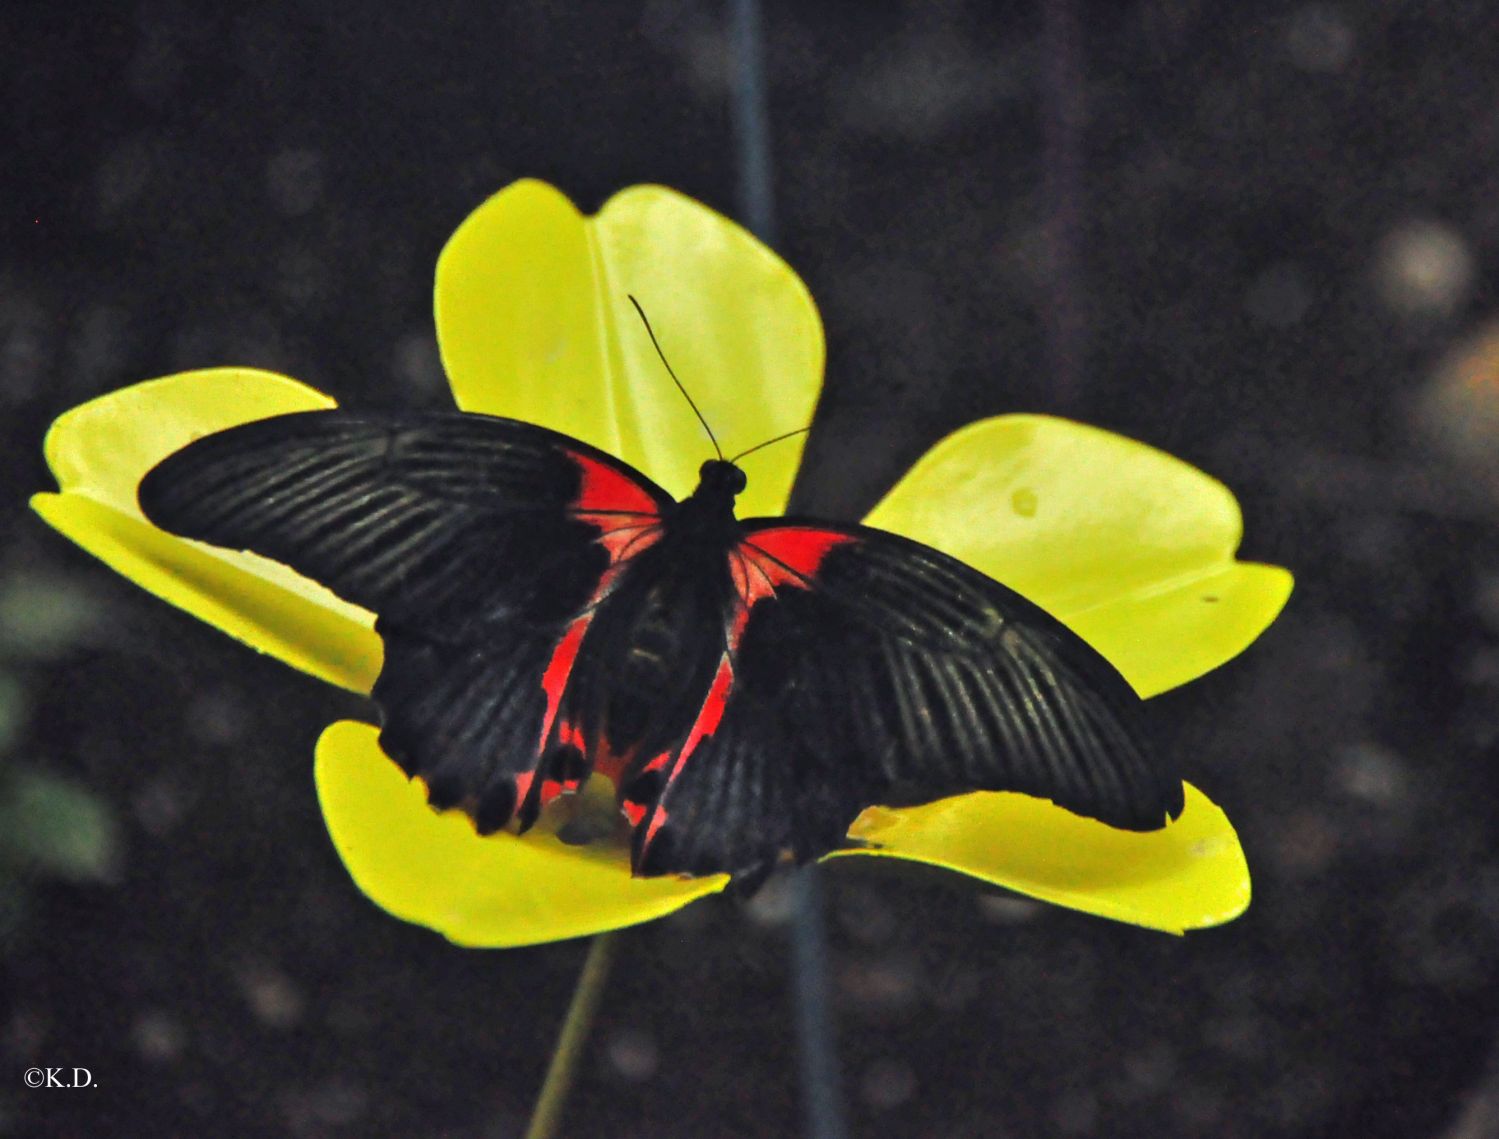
[768, 442]
[690, 403]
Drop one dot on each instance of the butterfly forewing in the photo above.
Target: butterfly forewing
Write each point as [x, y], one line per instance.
[482, 544]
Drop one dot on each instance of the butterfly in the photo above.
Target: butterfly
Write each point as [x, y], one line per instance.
[749, 686]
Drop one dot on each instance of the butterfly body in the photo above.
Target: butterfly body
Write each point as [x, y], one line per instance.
[748, 685]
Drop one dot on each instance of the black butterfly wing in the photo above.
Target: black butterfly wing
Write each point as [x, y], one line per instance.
[866, 668]
[481, 543]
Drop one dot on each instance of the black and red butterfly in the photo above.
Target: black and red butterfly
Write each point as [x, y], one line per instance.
[749, 685]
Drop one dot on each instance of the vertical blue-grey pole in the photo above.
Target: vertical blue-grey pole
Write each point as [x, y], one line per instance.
[821, 1086]
[751, 114]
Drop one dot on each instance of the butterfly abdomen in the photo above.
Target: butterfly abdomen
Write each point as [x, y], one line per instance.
[654, 645]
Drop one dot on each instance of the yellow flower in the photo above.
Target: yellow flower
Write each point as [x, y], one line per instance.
[1131, 548]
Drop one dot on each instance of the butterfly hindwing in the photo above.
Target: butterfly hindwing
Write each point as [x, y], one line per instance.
[482, 544]
[866, 668]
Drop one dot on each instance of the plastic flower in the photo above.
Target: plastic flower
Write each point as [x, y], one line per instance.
[1131, 548]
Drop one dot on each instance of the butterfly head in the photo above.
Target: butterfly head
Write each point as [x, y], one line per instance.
[718, 478]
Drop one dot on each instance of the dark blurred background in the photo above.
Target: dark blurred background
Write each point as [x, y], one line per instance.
[1287, 273]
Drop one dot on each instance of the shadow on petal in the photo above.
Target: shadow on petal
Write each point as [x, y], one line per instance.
[1188, 875]
[496, 891]
[1131, 547]
[1165, 638]
[100, 451]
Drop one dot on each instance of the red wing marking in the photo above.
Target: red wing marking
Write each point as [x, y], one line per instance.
[624, 535]
[627, 517]
[658, 763]
[791, 555]
[570, 735]
[752, 580]
[553, 683]
[554, 679]
[608, 764]
[523, 783]
[609, 490]
[708, 719]
[769, 559]
[658, 820]
[758, 565]
[635, 809]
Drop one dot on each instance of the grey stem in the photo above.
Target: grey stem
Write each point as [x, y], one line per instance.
[817, 1049]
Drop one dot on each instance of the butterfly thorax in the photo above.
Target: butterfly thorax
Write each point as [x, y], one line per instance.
[719, 479]
[706, 517]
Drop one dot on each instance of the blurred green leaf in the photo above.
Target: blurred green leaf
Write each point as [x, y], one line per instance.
[53, 827]
[42, 617]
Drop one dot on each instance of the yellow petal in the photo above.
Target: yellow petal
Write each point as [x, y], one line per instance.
[1161, 640]
[1189, 875]
[535, 323]
[434, 870]
[1133, 548]
[99, 453]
